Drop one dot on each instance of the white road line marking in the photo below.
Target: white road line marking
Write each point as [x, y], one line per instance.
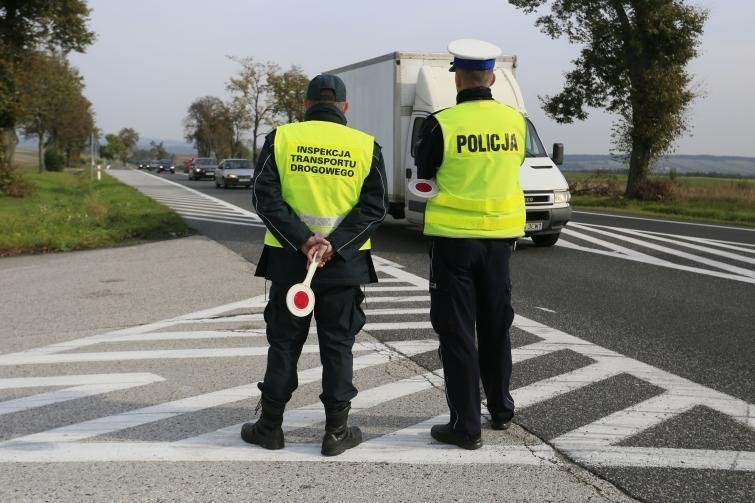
[545, 309]
[592, 444]
[130, 419]
[220, 221]
[728, 245]
[568, 244]
[172, 354]
[644, 457]
[616, 249]
[623, 424]
[205, 196]
[397, 288]
[558, 385]
[384, 300]
[314, 413]
[428, 452]
[88, 385]
[670, 251]
[676, 222]
[179, 336]
[384, 312]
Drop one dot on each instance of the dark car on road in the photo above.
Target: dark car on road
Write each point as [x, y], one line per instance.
[204, 167]
[153, 165]
[234, 172]
[166, 165]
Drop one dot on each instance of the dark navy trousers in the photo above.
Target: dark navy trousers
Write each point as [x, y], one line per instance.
[339, 317]
[470, 293]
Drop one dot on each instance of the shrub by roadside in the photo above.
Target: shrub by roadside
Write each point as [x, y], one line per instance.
[68, 211]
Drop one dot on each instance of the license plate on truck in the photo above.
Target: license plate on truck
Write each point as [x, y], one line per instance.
[533, 226]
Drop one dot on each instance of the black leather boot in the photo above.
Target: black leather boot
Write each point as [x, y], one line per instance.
[267, 432]
[338, 436]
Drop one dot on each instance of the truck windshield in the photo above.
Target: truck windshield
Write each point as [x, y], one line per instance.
[534, 145]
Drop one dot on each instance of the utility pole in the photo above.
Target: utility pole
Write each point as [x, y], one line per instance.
[91, 156]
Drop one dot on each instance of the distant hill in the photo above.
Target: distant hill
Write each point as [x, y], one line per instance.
[682, 164]
[173, 146]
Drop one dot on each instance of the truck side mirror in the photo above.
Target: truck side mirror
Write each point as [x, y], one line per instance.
[558, 154]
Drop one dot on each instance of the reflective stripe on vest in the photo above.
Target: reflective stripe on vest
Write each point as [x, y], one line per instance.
[322, 166]
[478, 181]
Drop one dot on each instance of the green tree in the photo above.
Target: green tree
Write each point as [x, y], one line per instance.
[632, 63]
[72, 129]
[114, 149]
[209, 125]
[252, 91]
[25, 27]
[157, 151]
[49, 85]
[289, 90]
[130, 138]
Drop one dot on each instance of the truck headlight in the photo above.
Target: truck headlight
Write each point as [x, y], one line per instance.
[561, 196]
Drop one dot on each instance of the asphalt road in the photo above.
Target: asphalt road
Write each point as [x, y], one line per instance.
[678, 296]
[633, 344]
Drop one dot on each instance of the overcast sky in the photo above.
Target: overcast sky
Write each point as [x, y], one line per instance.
[152, 58]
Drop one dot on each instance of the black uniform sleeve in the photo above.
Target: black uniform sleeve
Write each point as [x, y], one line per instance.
[429, 149]
[366, 215]
[268, 202]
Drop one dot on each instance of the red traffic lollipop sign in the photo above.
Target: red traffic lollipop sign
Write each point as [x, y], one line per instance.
[423, 188]
[300, 299]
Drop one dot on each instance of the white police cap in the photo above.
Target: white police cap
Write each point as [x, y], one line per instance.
[471, 54]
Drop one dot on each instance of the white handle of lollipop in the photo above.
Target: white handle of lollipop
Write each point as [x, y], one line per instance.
[311, 271]
[300, 299]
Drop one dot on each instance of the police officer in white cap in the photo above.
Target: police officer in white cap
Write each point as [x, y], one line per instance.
[473, 150]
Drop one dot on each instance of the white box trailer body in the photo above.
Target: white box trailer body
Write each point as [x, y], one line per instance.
[390, 96]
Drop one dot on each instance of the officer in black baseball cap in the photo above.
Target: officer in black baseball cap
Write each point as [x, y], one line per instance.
[318, 186]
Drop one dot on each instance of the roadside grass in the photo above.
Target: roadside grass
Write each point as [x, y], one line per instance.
[725, 200]
[69, 211]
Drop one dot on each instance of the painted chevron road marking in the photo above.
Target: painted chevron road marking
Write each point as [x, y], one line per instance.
[594, 444]
[716, 258]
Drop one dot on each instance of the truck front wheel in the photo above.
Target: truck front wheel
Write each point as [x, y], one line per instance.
[545, 239]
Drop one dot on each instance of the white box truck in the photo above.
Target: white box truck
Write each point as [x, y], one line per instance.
[390, 96]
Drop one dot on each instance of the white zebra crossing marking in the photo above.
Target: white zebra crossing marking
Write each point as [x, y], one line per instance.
[665, 249]
[313, 413]
[82, 386]
[382, 354]
[165, 354]
[616, 250]
[396, 449]
[188, 202]
[593, 444]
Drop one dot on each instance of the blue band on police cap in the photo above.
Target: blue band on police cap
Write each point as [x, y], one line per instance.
[474, 64]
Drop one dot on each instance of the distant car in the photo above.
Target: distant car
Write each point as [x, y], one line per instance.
[204, 167]
[142, 164]
[234, 172]
[166, 165]
[153, 165]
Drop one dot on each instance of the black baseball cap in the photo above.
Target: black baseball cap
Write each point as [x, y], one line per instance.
[325, 82]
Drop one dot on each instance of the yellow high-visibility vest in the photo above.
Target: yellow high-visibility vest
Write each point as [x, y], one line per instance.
[322, 167]
[478, 180]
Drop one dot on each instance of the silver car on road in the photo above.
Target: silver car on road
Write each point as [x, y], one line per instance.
[234, 172]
